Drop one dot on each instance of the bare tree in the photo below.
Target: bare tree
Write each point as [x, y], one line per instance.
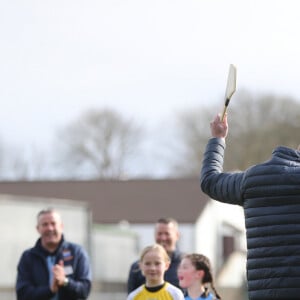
[257, 125]
[98, 144]
[192, 132]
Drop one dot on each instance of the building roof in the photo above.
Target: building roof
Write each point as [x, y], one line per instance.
[112, 201]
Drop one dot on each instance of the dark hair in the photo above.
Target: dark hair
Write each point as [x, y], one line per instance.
[167, 221]
[201, 262]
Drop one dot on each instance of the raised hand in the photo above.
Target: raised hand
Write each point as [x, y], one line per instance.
[219, 128]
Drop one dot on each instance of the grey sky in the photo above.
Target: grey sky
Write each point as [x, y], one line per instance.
[147, 59]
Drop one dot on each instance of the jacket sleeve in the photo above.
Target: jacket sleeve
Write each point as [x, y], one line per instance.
[24, 287]
[79, 285]
[221, 186]
[134, 278]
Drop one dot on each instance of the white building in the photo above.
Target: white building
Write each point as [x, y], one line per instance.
[115, 220]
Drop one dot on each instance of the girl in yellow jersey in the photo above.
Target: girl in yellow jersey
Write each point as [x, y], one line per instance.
[154, 261]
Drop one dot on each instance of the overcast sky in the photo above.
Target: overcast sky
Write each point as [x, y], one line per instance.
[147, 59]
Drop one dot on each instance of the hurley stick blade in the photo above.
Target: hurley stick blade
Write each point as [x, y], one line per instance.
[230, 88]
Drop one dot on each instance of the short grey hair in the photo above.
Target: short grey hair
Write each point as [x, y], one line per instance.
[49, 210]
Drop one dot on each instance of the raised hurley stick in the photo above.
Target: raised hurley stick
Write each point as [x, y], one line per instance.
[230, 88]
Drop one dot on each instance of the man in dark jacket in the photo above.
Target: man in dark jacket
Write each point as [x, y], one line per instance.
[54, 268]
[167, 235]
[270, 195]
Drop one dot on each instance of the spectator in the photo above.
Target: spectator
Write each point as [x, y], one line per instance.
[167, 235]
[54, 268]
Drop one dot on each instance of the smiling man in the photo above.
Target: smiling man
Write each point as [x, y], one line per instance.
[167, 235]
[53, 269]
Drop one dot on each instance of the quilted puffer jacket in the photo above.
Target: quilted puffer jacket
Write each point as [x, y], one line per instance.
[270, 195]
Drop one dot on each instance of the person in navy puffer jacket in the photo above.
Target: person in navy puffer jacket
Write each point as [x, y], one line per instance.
[53, 269]
[270, 196]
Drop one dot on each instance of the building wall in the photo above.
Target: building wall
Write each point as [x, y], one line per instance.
[206, 232]
[216, 221]
[114, 249]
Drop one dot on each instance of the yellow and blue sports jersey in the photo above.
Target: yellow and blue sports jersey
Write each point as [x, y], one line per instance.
[167, 292]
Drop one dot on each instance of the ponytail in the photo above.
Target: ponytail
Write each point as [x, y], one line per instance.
[201, 262]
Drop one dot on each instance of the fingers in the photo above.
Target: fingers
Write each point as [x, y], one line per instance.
[217, 121]
[218, 118]
[54, 286]
[59, 273]
[218, 127]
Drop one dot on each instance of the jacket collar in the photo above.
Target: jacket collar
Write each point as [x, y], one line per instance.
[41, 249]
[287, 153]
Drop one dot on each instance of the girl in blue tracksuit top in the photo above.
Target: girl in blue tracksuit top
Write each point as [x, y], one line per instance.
[194, 273]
